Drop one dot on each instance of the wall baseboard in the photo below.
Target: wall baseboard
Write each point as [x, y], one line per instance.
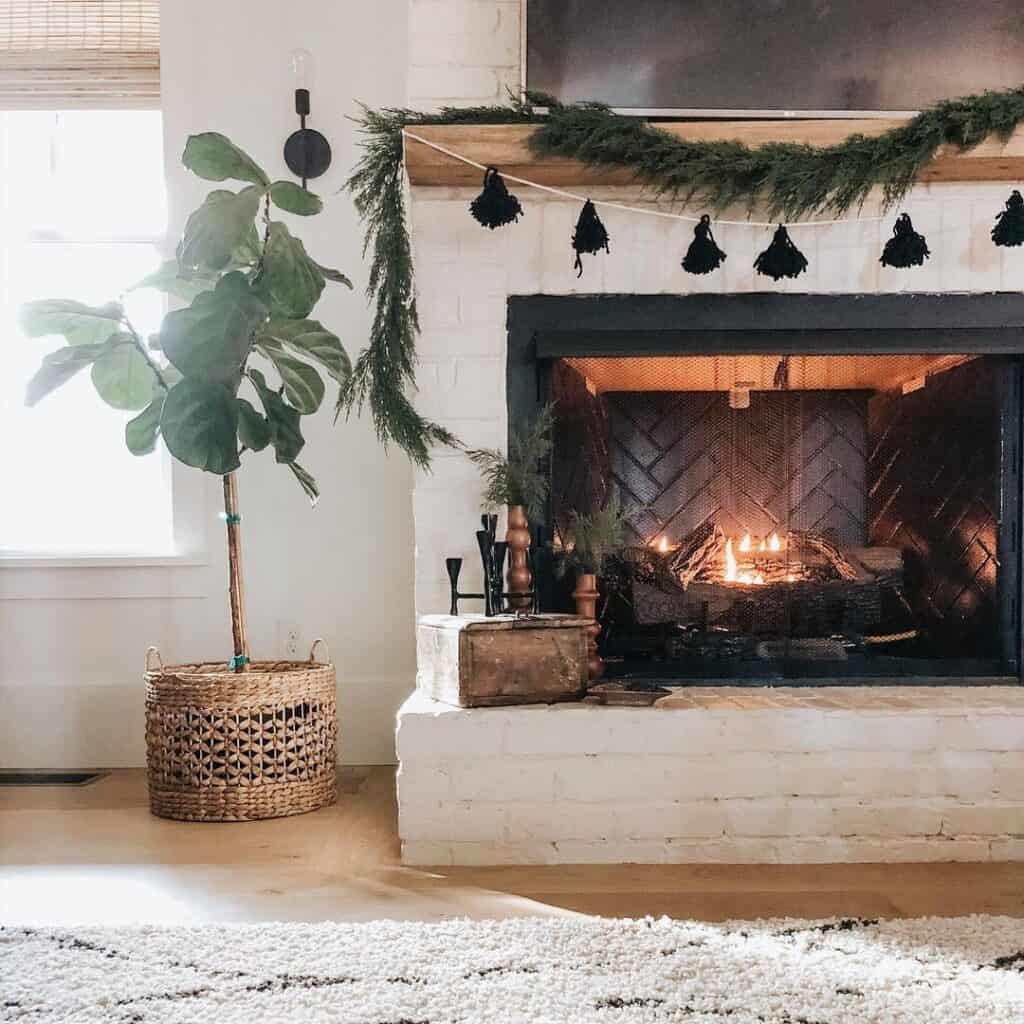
[75, 728]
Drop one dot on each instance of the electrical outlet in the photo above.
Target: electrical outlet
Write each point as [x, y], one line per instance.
[290, 638]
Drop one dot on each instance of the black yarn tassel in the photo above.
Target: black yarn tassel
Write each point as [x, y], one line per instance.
[495, 206]
[782, 258]
[703, 256]
[906, 248]
[1009, 229]
[590, 235]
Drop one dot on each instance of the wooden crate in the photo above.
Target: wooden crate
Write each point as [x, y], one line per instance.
[474, 661]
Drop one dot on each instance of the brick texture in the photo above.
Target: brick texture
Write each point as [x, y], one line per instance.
[578, 783]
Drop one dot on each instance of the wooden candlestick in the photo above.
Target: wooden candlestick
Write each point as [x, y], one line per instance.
[586, 596]
[518, 538]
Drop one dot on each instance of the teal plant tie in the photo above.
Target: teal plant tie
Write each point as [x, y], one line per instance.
[231, 518]
[238, 661]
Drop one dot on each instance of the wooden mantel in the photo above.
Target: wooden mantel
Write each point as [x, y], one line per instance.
[505, 147]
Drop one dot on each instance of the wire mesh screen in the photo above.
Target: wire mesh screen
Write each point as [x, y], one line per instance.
[833, 516]
[788, 460]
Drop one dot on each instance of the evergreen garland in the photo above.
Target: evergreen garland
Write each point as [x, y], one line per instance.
[790, 180]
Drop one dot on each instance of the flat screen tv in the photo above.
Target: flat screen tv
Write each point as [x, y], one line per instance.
[846, 58]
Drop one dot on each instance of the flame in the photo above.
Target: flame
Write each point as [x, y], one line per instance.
[749, 578]
[663, 544]
[730, 563]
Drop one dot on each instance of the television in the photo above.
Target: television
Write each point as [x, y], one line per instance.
[772, 58]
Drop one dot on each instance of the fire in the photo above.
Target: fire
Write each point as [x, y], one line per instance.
[730, 563]
[733, 573]
[663, 544]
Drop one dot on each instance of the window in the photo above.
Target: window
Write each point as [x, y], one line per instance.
[82, 215]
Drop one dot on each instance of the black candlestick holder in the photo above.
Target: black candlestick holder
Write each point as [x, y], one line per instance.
[492, 559]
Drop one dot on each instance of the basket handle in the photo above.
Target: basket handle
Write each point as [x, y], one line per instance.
[318, 642]
[150, 653]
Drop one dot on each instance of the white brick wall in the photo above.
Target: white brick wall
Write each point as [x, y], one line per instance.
[462, 52]
[785, 782]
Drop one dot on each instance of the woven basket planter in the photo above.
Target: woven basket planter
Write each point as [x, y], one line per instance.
[240, 746]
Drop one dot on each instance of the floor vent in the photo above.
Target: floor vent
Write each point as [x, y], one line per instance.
[49, 778]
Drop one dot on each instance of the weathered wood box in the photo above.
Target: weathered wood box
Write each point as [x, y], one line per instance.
[474, 661]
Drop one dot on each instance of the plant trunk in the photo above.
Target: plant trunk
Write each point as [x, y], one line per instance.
[239, 629]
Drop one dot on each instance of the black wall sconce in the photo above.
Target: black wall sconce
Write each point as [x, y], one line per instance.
[306, 152]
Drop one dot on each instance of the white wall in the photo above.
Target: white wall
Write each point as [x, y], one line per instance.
[72, 641]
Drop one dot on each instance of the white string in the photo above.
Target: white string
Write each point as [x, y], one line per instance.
[623, 206]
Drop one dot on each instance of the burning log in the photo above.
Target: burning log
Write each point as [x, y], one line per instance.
[697, 557]
[844, 568]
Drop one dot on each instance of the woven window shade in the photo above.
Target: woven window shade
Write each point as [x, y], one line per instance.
[68, 54]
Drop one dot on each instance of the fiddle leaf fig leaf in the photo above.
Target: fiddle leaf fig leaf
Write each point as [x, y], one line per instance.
[78, 323]
[211, 338]
[303, 386]
[253, 429]
[306, 481]
[218, 229]
[247, 254]
[215, 157]
[171, 279]
[285, 433]
[292, 198]
[291, 281]
[59, 367]
[334, 275]
[199, 423]
[309, 338]
[141, 433]
[122, 378]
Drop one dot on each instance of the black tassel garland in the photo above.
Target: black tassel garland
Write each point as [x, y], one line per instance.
[906, 248]
[703, 256]
[782, 258]
[1009, 229]
[495, 206]
[590, 235]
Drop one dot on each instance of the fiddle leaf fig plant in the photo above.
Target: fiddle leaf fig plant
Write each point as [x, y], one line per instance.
[237, 368]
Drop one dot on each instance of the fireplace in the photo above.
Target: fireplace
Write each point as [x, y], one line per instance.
[818, 488]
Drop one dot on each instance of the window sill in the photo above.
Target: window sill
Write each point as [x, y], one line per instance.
[65, 561]
[173, 577]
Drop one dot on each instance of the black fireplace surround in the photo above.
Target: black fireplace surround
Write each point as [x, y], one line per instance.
[820, 488]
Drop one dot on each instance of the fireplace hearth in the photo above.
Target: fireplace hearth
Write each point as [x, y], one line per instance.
[819, 488]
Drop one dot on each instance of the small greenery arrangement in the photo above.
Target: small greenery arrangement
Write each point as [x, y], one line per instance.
[519, 478]
[594, 538]
[244, 343]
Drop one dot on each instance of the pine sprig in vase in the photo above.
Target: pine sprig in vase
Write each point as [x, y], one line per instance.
[519, 480]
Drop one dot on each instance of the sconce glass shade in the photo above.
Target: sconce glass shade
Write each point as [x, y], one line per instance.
[302, 68]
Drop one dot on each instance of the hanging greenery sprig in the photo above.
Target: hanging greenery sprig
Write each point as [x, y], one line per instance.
[789, 180]
[386, 369]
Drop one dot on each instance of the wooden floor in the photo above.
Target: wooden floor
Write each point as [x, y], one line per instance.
[95, 855]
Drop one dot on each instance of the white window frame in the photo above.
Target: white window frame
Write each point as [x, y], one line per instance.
[67, 576]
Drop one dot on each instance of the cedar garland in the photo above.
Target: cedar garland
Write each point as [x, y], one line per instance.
[789, 180]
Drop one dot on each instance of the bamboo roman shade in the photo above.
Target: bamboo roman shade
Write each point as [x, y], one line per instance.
[66, 54]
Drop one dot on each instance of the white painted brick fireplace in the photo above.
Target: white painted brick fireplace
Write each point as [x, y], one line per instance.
[755, 776]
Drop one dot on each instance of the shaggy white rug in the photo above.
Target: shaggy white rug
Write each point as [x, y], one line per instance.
[927, 971]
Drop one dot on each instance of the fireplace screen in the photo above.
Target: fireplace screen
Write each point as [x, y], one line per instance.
[817, 517]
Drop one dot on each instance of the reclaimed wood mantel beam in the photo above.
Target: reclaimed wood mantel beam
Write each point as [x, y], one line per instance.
[505, 147]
